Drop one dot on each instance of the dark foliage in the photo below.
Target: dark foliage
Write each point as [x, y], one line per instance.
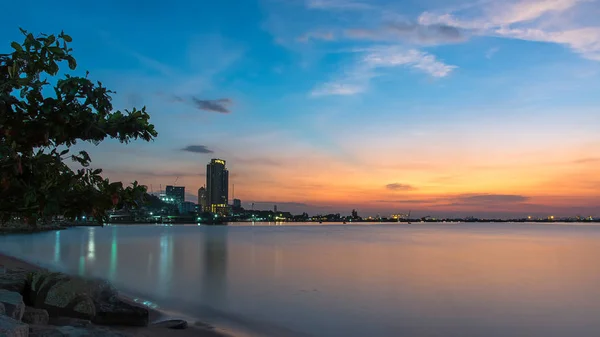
[41, 117]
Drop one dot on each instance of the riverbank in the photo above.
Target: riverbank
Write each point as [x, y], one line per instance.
[154, 329]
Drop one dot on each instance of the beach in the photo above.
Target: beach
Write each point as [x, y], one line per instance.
[194, 329]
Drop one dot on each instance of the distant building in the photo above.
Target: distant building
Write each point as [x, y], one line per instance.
[202, 199]
[275, 208]
[187, 207]
[217, 187]
[175, 195]
[237, 204]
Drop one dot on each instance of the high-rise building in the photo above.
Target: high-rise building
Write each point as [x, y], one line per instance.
[237, 203]
[175, 194]
[202, 200]
[217, 186]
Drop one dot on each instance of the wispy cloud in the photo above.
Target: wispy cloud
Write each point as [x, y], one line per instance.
[399, 187]
[338, 4]
[317, 35]
[410, 32]
[197, 149]
[356, 81]
[525, 20]
[216, 105]
[491, 52]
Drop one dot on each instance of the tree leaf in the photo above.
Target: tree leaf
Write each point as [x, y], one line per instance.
[16, 46]
[67, 38]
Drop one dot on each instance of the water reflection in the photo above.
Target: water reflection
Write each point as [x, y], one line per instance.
[57, 247]
[165, 263]
[91, 244]
[114, 252]
[214, 278]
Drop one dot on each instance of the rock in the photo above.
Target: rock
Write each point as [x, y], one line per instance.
[2, 310]
[118, 312]
[14, 280]
[176, 324]
[12, 328]
[61, 295]
[35, 316]
[68, 321]
[69, 331]
[13, 304]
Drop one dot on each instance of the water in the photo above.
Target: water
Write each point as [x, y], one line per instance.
[371, 280]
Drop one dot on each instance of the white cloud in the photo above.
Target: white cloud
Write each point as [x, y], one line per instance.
[339, 89]
[338, 4]
[394, 56]
[317, 35]
[382, 57]
[529, 20]
[491, 52]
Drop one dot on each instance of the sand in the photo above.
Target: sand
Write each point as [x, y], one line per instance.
[195, 329]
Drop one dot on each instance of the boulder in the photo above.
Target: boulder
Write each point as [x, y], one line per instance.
[175, 324]
[118, 312]
[70, 331]
[12, 328]
[61, 295]
[14, 280]
[68, 321]
[35, 316]
[13, 304]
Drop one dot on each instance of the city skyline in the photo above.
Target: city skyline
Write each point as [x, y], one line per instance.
[441, 107]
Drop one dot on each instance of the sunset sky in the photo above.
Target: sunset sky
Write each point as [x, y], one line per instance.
[442, 107]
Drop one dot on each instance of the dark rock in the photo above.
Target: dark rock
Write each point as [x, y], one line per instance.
[35, 316]
[14, 280]
[176, 324]
[13, 304]
[61, 295]
[118, 312]
[12, 328]
[68, 321]
[69, 331]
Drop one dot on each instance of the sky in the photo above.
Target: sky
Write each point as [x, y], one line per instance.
[442, 107]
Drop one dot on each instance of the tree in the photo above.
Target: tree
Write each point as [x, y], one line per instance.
[40, 122]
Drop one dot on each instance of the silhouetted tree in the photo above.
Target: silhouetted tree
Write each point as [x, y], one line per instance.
[41, 117]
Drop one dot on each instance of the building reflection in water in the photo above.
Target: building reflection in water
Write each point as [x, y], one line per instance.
[214, 280]
[114, 256]
[91, 245]
[165, 262]
[57, 247]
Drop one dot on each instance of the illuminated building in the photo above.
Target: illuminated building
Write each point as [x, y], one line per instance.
[175, 195]
[217, 187]
[202, 199]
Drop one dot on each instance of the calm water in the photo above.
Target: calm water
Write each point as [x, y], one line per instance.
[373, 280]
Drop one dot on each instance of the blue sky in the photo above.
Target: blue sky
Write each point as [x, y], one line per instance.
[324, 104]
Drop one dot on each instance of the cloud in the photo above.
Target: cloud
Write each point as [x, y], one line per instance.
[525, 20]
[197, 149]
[491, 52]
[338, 5]
[410, 32]
[393, 56]
[399, 187]
[217, 105]
[339, 89]
[586, 160]
[372, 59]
[482, 199]
[317, 35]
[408, 201]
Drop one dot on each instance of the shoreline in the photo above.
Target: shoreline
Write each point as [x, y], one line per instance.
[196, 329]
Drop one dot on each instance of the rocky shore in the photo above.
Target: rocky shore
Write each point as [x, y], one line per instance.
[40, 303]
